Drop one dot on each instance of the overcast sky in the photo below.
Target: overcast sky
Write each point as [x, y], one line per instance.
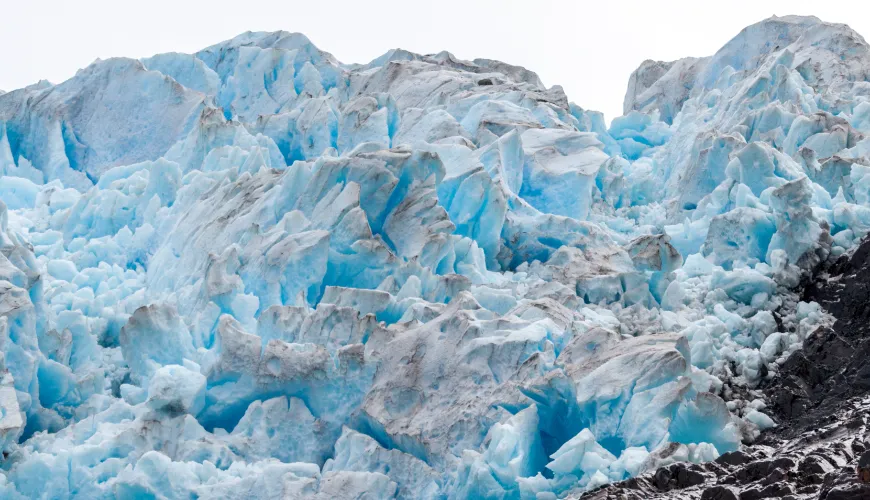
[590, 48]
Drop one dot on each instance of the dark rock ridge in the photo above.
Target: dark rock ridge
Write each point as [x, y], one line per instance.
[821, 399]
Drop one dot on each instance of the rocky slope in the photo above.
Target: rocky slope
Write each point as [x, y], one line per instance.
[821, 399]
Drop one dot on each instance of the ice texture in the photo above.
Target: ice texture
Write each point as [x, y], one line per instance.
[257, 272]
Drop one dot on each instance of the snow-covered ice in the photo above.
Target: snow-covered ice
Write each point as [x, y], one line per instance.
[257, 272]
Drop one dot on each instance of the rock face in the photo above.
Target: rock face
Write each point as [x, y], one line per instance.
[822, 461]
[832, 366]
[257, 272]
[821, 448]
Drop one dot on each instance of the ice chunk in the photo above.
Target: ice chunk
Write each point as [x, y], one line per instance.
[358, 452]
[630, 463]
[705, 420]
[161, 108]
[662, 86]
[18, 192]
[654, 253]
[514, 451]
[637, 132]
[581, 456]
[363, 121]
[175, 389]
[560, 171]
[760, 419]
[62, 269]
[187, 70]
[352, 484]
[11, 418]
[281, 428]
[743, 284]
[741, 235]
[805, 240]
[154, 336]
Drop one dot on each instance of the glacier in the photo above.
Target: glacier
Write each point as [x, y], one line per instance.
[258, 272]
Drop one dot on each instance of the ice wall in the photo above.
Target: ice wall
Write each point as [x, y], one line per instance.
[257, 272]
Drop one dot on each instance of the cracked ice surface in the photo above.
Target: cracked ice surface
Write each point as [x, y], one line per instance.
[256, 272]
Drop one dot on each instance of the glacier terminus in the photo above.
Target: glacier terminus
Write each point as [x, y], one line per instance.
[256, 272]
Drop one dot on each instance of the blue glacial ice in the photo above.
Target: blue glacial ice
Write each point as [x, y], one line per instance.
[257, 272]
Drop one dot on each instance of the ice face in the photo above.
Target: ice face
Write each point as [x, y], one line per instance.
[257, 272]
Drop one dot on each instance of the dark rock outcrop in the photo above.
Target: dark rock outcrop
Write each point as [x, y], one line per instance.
[821, 449]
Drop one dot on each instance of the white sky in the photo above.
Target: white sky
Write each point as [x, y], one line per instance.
[590, 48]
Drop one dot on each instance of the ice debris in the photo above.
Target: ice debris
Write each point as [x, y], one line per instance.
[257, 272]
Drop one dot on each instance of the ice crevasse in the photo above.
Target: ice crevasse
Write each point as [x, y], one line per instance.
[257, 272]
